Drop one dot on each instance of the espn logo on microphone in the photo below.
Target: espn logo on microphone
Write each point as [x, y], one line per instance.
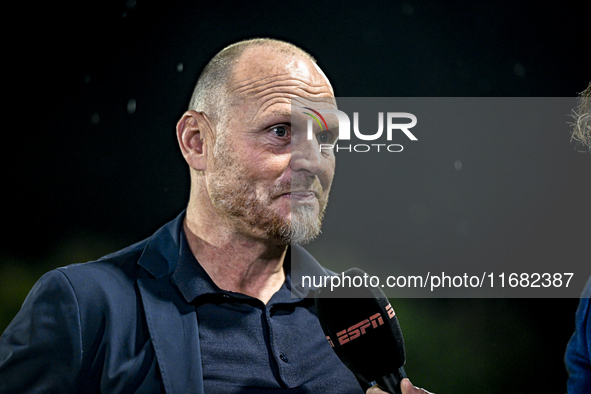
[359, 329]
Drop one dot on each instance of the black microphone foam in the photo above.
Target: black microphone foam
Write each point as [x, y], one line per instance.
[362, 327]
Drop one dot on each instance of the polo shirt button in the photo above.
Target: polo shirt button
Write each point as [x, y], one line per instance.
[283, 358]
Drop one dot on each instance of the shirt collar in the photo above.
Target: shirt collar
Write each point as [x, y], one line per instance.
[190, 277]
[193, 281]
[302, 263]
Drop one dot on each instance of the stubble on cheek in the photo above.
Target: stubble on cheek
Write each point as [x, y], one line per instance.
[234, 195]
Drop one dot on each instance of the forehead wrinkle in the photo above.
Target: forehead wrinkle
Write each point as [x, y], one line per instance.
[245, 82]
[269, 102]
[284, 92]
[260, 85]
[287, 87]
[283, 96]
[290, 91]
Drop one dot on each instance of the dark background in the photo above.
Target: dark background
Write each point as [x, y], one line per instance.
[95, 89]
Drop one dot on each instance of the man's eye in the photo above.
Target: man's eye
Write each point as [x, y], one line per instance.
[323, 138]
[280, 131]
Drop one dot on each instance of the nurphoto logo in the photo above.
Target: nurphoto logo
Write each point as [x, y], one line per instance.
[344, 130]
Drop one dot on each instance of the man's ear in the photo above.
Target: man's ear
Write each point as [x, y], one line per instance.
[193, 133]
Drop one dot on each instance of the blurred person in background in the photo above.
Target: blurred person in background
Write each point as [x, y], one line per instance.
[578, 352]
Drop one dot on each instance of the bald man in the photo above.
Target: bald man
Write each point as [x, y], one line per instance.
[204, 305]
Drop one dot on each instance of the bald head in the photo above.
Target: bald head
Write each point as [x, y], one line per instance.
[212, 92]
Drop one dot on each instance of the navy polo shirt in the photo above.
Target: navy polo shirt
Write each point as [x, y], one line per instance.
[250, 347]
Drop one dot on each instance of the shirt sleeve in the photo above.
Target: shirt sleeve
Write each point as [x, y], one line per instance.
[41, 351]
[578, 355]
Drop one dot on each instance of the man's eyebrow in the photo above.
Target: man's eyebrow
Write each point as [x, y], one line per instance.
[281, 113]
[276, 114]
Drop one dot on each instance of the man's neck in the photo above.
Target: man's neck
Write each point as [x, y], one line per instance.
[236, 262]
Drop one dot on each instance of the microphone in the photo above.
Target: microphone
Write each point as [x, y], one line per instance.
[363, 330]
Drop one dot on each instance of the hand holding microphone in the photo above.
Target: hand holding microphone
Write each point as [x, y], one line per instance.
[363, 330]
[406, 387]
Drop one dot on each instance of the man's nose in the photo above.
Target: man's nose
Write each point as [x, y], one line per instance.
[306, 155]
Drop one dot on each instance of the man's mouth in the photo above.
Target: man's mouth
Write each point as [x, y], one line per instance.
[300, 195]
